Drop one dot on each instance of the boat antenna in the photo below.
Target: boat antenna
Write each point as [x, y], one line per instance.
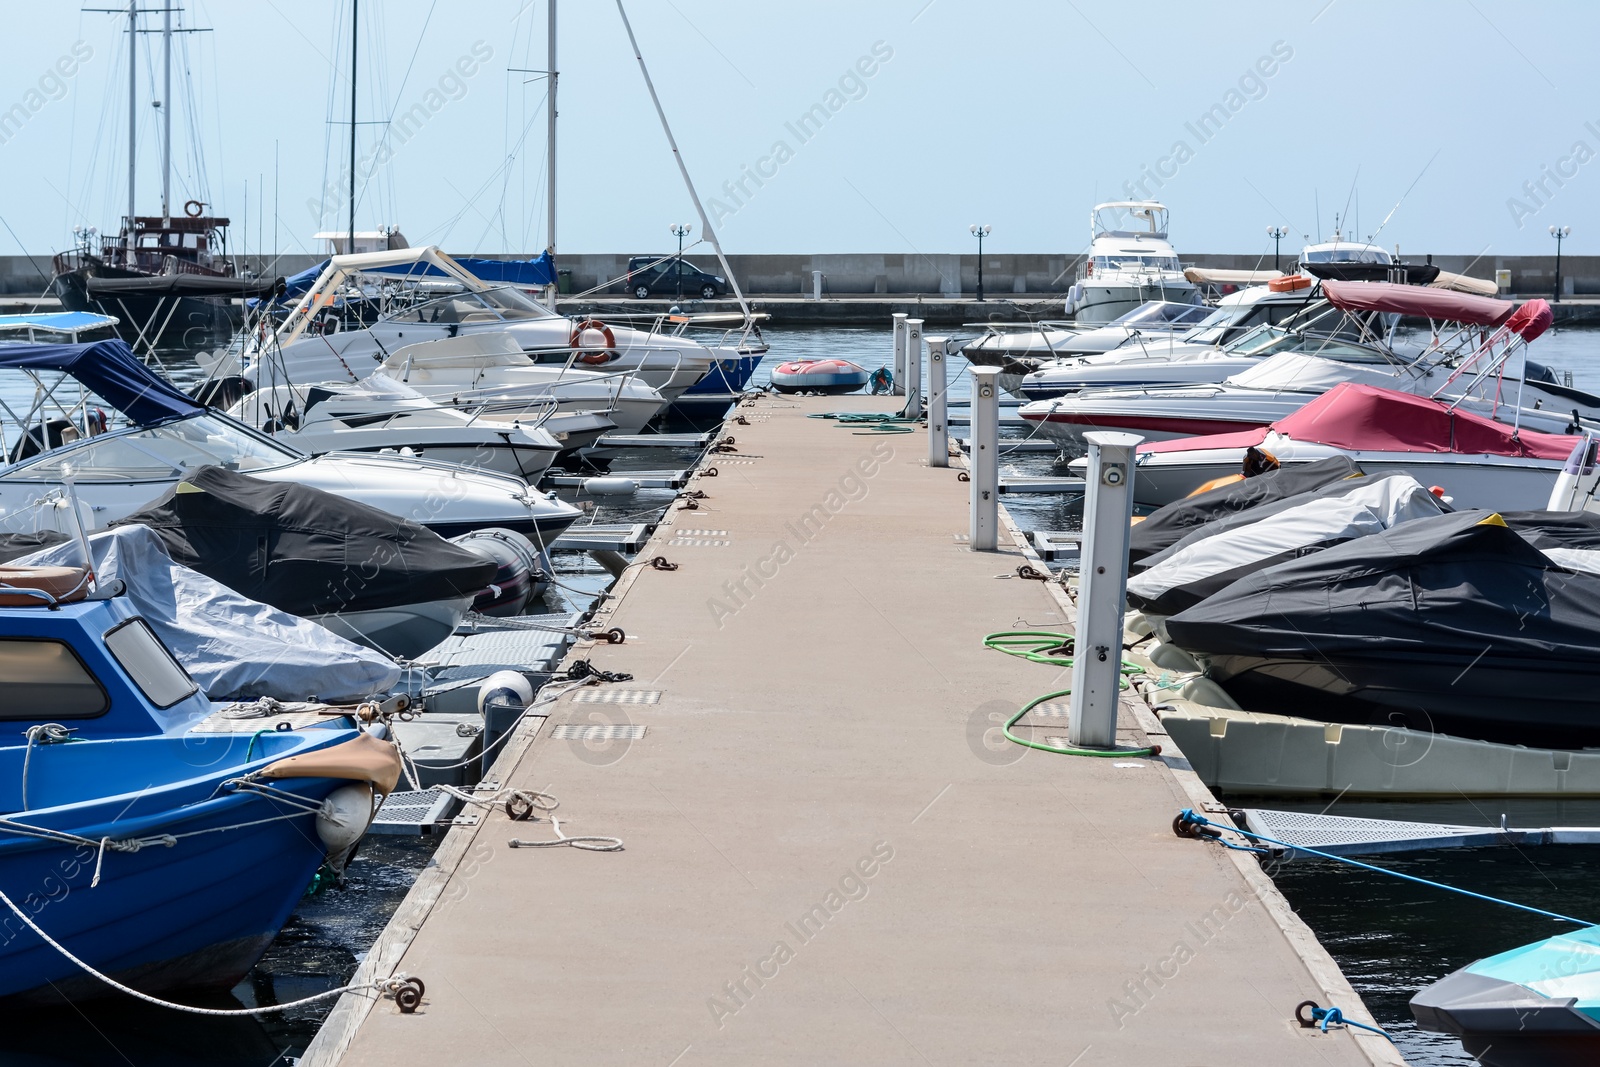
[1316, 196]
[355, 9]
[705, 222]
[1345, 214]
[1405, 194]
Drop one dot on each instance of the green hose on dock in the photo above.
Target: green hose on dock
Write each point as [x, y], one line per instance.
[1052, 649]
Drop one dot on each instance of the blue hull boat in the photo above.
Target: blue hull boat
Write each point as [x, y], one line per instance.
[217, 869]
[157, 844]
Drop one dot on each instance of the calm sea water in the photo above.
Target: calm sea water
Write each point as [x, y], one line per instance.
[1390, 937]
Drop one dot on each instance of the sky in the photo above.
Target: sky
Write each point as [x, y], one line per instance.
[826, 126]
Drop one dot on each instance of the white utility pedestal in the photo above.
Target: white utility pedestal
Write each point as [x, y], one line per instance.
[913, 389]
[1102, 589]
[984, 459]
[900, 353]
[938, 424]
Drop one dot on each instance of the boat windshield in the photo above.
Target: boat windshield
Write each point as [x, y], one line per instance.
[1133, 262]
[499, 304]
[157, 453]
[1232, 320]
[1349, 254]
[1130, 219]
[1158, 312]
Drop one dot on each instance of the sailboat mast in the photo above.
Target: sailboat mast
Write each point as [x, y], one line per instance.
[355, 10]
[133, 103]
[550, 116]
[166, 113]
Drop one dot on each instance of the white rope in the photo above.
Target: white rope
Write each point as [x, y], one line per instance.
[50, 733]
[589, 843]
[387, 985]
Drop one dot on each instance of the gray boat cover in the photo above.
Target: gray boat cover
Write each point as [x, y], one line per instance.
[1209, 559]
[233, 647]
[1167, 525]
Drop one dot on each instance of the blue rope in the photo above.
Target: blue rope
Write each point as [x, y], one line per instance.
[1326, 1017]
[1188, 817]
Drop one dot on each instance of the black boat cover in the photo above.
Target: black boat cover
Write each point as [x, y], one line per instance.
[1556, 529]
[1166, 525]
[180, 285]
[305, 551]
[1416, 273]
[14, 546]
[1453, 624]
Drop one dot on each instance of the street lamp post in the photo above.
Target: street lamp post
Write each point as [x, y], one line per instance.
[980, 232]
[1560, 233]
[680, 230]
[1277, 233]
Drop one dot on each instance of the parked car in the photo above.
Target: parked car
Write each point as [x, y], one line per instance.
[661, 279]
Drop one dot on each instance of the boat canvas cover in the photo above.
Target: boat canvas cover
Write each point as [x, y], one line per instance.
[1367, 418]
[1418, 301]
[233, 647]
[1167, 525]
[1208, 560]
[1307, 373]
[180, 285]
[523, 273]
[1396, 610]
[15, 545]
[1556, 529]
[306, 551]
[111, 371]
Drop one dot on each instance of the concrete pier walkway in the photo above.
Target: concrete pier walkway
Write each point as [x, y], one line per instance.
[831, 857]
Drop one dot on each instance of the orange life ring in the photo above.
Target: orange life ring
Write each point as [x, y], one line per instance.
[594, 356]
[1289, 283]
[192, 208]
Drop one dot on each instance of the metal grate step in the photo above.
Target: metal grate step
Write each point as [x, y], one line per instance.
[617, 696]
[577, 731]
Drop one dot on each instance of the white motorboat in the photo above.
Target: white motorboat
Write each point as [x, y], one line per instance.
[1130, 262]
[1006, 343]
[1477, 462]
[1468, 333]
[1235, 316]
[116, 471]
[489, 375]
[379, 414]
[363, 308]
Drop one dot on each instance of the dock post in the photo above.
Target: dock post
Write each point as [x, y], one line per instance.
[938, 426]
[913, 365]
[984, 459]
[899, 353]
[1102, 589]
[816, 285]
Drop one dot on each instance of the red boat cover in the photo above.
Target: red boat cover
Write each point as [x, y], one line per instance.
[1366, 418]
[1419, 301]
[1531, 319]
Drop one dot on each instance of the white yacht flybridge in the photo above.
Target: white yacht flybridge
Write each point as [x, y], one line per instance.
[364, 307]
[1130, 262]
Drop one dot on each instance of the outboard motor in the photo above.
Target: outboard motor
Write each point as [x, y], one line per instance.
[523, 572]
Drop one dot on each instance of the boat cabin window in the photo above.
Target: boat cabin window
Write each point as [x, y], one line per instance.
[149, 664]
[158, 453]
[1105, 263]
[44, 680]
